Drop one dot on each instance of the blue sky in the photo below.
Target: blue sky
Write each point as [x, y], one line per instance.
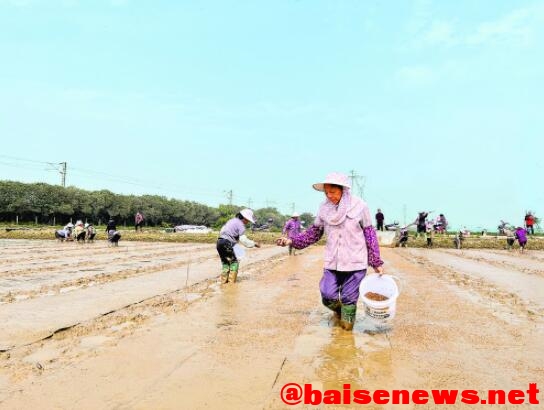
[437, 104]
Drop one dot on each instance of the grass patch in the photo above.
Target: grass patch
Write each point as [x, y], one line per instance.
[148, 235]
[267, 238]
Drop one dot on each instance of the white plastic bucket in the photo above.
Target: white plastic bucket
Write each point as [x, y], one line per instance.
[239, 252]
[385, 285]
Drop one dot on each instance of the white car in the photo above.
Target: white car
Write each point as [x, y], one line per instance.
[192, 229]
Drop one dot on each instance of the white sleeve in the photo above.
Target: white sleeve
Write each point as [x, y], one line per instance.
[248, 243]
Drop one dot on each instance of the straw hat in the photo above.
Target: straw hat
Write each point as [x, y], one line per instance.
[295, 215]
[334, 178]
[248, 214]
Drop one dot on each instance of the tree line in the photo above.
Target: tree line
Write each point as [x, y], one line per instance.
[55, 205]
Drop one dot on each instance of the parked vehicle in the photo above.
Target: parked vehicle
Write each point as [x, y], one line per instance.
[260, 227]
[192, 229]
[392, 227]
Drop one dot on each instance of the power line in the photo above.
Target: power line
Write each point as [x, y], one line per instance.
[24, 159]
[84, 173]
[25, 163]
[111, 177]
[24, 166]
[30, 165]
[147, 184]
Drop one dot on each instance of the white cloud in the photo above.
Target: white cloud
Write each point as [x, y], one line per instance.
[515, 27]
[519, 27]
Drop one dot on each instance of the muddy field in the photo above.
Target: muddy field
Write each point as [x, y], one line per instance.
[146, 326]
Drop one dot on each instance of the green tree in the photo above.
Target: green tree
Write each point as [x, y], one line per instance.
[270, 216]
[226, 212]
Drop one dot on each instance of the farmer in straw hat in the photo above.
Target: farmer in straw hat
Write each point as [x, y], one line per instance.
[291, 228]
[351, 246]
[230, 234]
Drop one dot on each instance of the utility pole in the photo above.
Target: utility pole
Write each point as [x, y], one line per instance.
[229, 196]
[292, 208]
[63, 173]
[404, 213]
[249, 201]
[61, 168]
[357, 181]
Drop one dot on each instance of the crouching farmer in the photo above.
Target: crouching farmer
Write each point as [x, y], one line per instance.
[230, 234]
[113, 234]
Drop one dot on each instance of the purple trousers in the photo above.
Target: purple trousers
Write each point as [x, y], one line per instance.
[341, 286]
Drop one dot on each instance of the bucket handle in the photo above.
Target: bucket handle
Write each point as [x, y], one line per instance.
[399, 282]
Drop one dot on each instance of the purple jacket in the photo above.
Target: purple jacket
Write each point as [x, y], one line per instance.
[291, 228]
[232, 230]
[352, 245]
[521, 234]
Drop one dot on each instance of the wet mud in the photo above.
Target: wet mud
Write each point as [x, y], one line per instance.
[149, 335]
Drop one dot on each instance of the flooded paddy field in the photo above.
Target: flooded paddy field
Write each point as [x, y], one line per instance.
[146, 325]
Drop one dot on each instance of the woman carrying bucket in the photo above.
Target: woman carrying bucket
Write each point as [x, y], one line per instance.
[351, 246]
